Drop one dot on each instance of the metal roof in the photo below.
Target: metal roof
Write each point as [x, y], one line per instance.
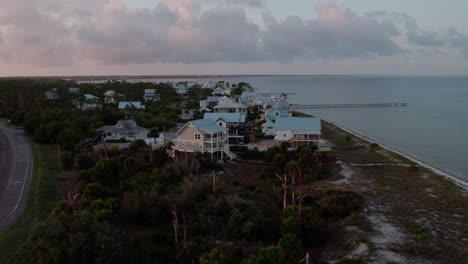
[207, 126]
[137, 105]
[230, 105]
[299, 124]
[90, 97]
[227, 117]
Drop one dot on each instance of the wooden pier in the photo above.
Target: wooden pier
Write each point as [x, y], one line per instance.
[318, 106]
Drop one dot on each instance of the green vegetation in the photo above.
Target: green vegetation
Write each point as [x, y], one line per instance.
[139, 205]
[41, 200]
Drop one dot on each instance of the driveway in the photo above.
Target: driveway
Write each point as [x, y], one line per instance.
[15, 174]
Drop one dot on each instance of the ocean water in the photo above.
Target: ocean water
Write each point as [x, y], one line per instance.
[433, 128]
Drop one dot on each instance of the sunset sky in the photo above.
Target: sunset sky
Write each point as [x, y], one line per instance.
[112, 37]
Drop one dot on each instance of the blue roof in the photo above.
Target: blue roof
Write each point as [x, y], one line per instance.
[137, 105]
[90, 97]
[207, 126]
[299, 124]
[227, 117]
[214, 98]
[230, 105]
[248, 93]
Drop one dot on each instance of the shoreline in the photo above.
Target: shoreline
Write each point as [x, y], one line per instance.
[451, 176]
[427, 165]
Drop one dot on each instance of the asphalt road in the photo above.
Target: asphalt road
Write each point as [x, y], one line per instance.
[15, 174]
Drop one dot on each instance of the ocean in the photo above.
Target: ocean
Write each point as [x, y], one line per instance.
[433, 128]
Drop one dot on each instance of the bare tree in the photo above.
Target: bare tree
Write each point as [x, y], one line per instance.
[175, 225]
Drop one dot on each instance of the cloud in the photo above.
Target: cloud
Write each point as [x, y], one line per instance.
[337, 32]
[108, 32]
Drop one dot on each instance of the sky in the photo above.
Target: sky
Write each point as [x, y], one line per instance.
[185, 37]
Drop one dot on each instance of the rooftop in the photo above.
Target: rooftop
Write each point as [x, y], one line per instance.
[207, 126]
[137, 105]
[230, 105]
[298, 124]
[227, 117]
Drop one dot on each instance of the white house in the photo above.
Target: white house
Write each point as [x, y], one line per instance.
[238, 132]
[298, 131]
[52, 94]
[268, 128]
[222, 91]
[181, 89]
[151, 95]
[213, 100]
[88, 102]
[124, 130]
[247, 98]
[209, 85]
[203, 136]
[230, 108]
[131, 105]
[112, 97]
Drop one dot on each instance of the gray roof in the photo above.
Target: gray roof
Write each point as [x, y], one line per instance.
[298, 124]
[214, 98]
[90, 97]
[123, 126]
[230, 105]
[137, 105]
[227, 117]
[207, 126]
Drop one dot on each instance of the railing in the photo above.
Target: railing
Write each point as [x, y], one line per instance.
[317, 106]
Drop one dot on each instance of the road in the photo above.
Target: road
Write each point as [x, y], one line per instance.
[15, 174]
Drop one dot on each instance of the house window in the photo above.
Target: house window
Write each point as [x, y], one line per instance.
[197, 136]
[305, 136]
[220, 124]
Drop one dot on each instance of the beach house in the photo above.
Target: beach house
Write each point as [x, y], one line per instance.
[151, 95]
[124, 130]
[222, 91]
[52, 94]
[212, 101]
[203, 136]
[181, 89]
[238, 130]
[268, 128]
[73, 90]
[88, 102]
[230, 108]
[131, 106]
[112, 97]
[298, 131]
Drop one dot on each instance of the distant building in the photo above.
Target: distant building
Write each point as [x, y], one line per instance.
[112, 97]
[238, 131]
[88, 102]
[230, 108]
[222, 91]
[151, 95]
[298, 131]
[247, 98]
[268, 128]
[131, 105]
[203, 136]
[213, 100]
[52, 94]
[181, 89]
[209, 85]
[73, 90]
[124, 130]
